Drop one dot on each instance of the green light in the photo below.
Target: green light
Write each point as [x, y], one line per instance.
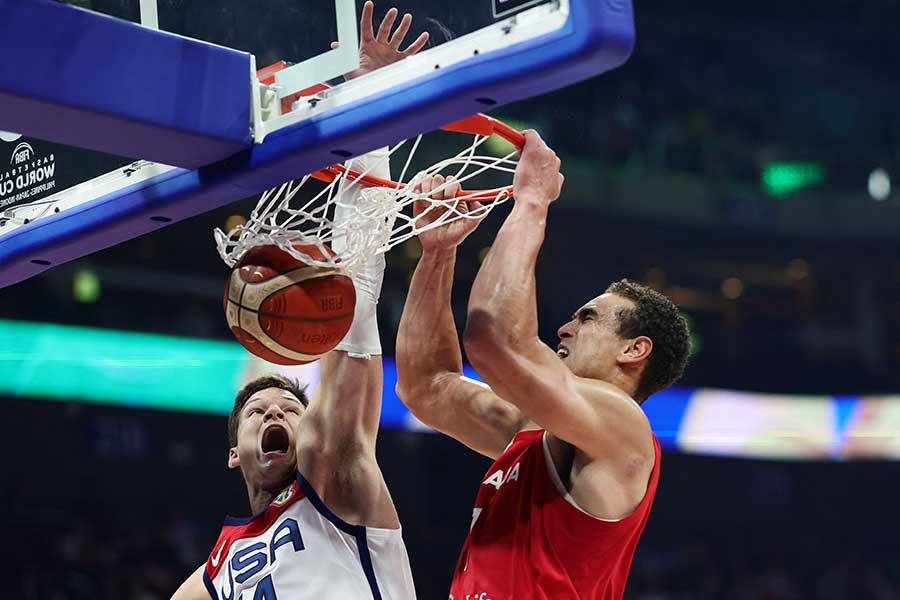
[497, 146]
[785, 178]
[45, 360]
[86, 287]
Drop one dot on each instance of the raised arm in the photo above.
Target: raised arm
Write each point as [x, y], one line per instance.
[336, 449]
[336, 443]
[429, 360]
[348, 399]
[502, 341]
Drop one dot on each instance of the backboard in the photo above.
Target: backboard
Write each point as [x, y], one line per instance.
[134, 114]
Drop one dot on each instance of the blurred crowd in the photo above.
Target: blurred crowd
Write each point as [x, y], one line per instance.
[710, 572]
[87, 555]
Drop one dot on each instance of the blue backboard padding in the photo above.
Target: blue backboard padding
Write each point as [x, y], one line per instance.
[127, 214]
[88, 80]
[598, 37]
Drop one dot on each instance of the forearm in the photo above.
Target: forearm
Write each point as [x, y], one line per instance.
[503, 302]
[427, 342]
[502, 334]
[348, 400]
[349, 396]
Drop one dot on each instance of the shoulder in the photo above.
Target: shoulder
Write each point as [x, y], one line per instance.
[608, 489]
[609, 477]
[622, 427]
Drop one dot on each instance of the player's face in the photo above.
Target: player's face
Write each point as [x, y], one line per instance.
[266, 437]
[589, 344]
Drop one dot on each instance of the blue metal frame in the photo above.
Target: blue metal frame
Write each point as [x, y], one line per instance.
[85, 79]
[599, 36]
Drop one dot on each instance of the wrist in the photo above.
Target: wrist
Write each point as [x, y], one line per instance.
[531, 201]
[440, 253]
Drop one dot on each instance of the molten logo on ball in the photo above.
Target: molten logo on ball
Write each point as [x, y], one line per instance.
[285, 311]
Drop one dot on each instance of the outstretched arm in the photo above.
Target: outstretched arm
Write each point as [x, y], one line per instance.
[429, 360]
[336, 445]
[349, 397]
[501, 337]
[336, 441]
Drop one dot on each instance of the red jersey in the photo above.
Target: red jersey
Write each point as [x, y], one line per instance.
[529, 540]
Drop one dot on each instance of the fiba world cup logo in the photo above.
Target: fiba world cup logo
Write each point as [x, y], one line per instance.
[22, 153]
[284, 496]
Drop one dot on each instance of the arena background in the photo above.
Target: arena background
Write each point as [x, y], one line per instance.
[740, 161]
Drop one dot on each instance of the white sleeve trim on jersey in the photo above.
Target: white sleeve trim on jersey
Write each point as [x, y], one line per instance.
[554, 476]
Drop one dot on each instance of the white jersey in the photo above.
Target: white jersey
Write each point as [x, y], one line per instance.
[297, 549]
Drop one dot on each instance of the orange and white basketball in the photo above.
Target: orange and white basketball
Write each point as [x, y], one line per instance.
[285, 311]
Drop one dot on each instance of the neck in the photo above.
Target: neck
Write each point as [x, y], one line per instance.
[261, 496]
[623, 381]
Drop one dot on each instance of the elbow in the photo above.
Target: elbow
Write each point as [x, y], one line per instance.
[421, 400]
[410, 394]
[415, 394]
[411, 377]
[482, 338]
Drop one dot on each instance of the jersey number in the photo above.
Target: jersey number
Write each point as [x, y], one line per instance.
[265, 589]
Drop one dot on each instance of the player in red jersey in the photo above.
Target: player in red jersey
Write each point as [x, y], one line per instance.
[559, 514]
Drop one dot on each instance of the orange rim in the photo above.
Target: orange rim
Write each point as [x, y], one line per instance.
[478, 124]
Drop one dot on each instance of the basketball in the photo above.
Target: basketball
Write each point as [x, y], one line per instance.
[286, 311]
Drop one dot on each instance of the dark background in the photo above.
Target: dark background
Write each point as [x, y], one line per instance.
[102, 502]
[664, 161]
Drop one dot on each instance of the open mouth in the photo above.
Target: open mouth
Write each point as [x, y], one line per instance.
[275, 439]
[562, 352]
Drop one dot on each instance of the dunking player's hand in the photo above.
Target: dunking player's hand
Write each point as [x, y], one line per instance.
[449, 235]
[376, 51]
[537, 179]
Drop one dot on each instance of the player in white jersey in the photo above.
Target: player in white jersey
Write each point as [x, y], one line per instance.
[324, 524]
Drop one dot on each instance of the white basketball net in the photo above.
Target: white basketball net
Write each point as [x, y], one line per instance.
[349, 222]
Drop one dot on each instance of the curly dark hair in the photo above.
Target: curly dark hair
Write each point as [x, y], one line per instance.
[656, 317]
[261, 383]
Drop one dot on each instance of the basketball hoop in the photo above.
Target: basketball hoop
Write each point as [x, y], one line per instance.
[372, 219]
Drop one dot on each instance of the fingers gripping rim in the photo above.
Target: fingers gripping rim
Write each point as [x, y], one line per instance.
[478, 124]
[365, 213]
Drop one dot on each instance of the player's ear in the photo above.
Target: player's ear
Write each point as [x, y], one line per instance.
[638, 350]
[233, 461]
